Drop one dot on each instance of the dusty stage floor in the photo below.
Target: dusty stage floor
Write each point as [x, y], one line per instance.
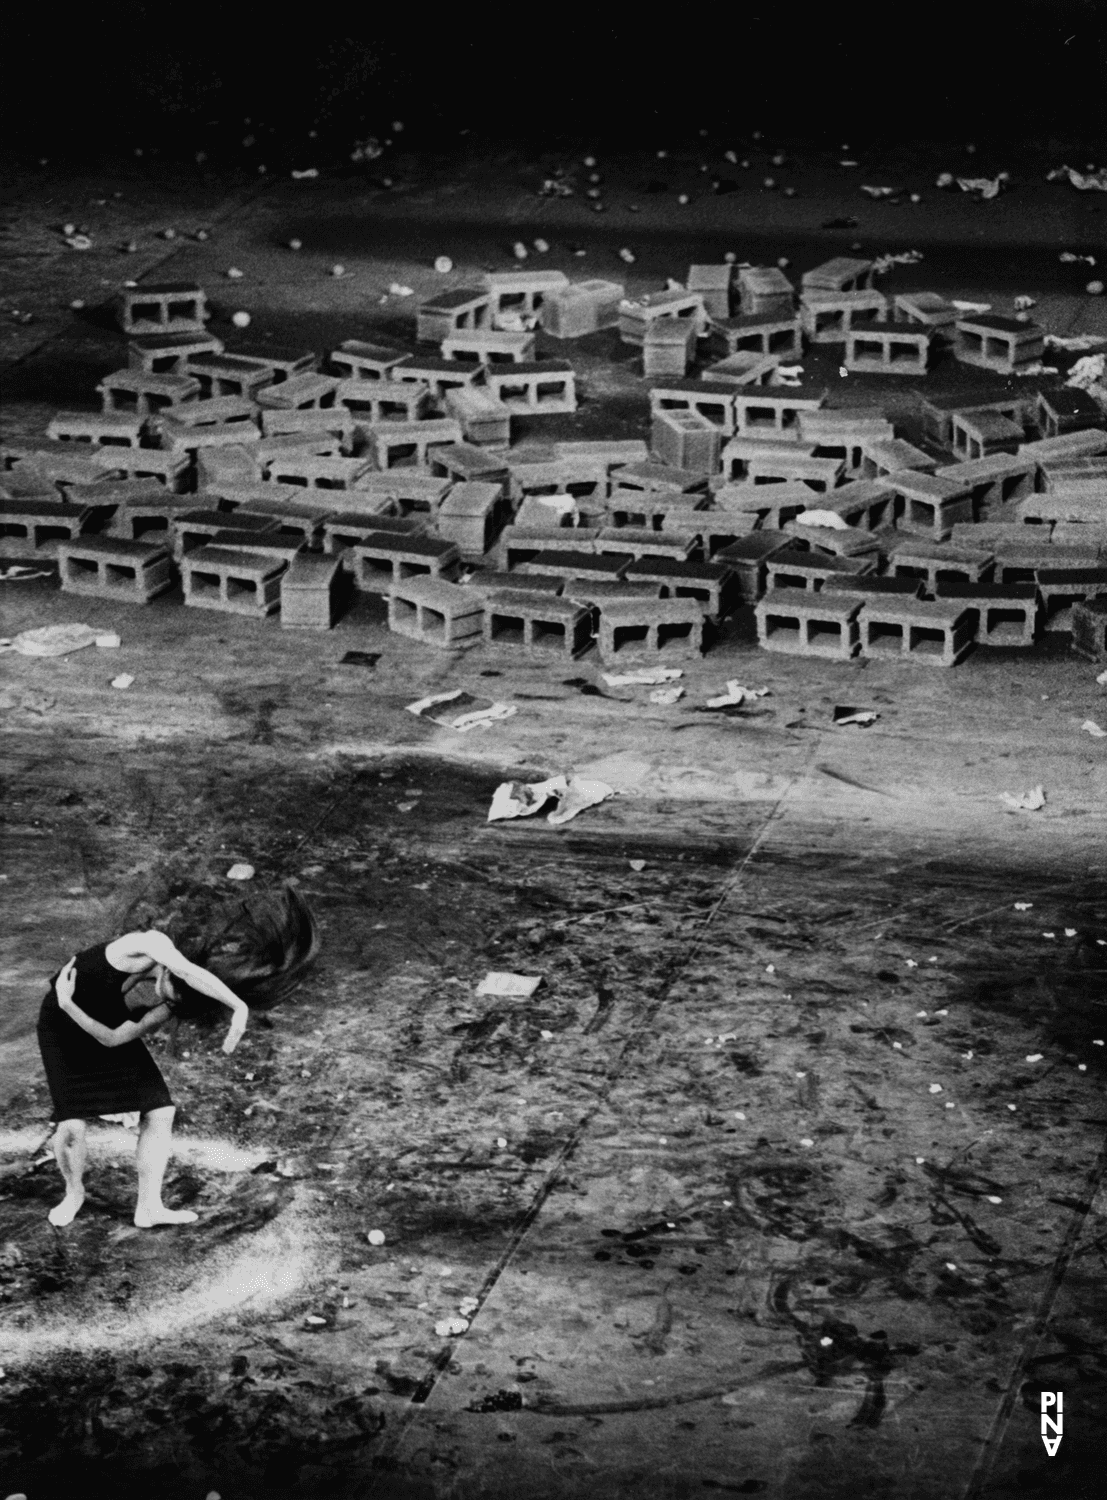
[724, 1232]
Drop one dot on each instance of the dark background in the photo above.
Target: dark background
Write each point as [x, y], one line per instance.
[84, 85]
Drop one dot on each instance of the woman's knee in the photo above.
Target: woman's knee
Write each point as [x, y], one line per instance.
[70, 1131]
[163, 1115]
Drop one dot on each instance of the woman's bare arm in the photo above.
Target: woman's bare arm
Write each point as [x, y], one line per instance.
[107, 1036]
[162, 950]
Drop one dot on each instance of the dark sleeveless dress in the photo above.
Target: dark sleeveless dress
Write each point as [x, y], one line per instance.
[86, 1078]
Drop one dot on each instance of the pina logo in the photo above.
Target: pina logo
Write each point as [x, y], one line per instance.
[1052, 1427]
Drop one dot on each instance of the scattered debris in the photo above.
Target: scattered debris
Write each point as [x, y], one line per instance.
[123, 681]
[1084, 182]
[648, 676]
[972, 307]
[878, 192]
[51, 640]
[461, 711]
[1068, 258]
[1091, 727]
[397, 289]
[860, 716]
[829, 518]
[1024, 906]
[308, 172]
[664, 696]
[451, 1328]
[1030, 801]
[19, 574]
[443, 265]
[241, 871]
[517, 799]
[736, 695]
[984, 187]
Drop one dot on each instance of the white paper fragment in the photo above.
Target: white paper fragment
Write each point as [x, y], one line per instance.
[241, 871]
[1024, 906]
[123, 681]
[877, 192]
[520, 799]
[19, 574]
[580, 795]
[451, 1328]
[821, 518]
[108, 641]
[53, 640]
[308, 172]
[664, 696]
[1102, 679]
[1084, 182]
[481, 718]
[786, 375]
[637, 865]
[520, 986]
[1074, 343]
[1091, 727]
[972, 307]
[986, 187]
[1023, 304]
[1029, 801]
[645, 675]
[399, 290]
[862, 716]
[736, 694]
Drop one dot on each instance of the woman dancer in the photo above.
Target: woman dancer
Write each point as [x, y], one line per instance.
[94, 1016]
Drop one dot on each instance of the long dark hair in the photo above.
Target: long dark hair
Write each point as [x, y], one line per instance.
[259, 947]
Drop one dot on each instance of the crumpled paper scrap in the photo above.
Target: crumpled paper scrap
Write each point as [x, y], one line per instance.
[648, 676]
[1030, 801]
[52, 640]
[473, 713]
[18, 574]
[1091, 727]
[822, 518]
[1084, 182]
[860, 716]
[987, 187]
[736, 694]
[786, 375]
[495, 982]
[520, 799]
[665, 696]
[972, 307]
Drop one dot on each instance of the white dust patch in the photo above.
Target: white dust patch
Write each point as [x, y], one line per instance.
[254, 1274]
[113, 1141]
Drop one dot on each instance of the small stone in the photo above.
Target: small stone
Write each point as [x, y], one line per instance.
[397, 127]
[783, 262]
[1082, 1067]
[241, 320]
[1094, 288]
[1033, 1057]
[993, 1199]
[451, 1328]
[936, 1088]
[375, 1236]
[295, 244]
[234, 274]
[770, 182]
[501, 1142]
[1013, 1108]
[826, 1341]
[589, 161]
[240, 871]
[729, 258]
[519, 250]
[789, 192]
[77, 304]
[627, 255]
[683, 198]
[202, 235]
[542, 247]
[123, 681]
[169, 234]
[916, 197]
[338, 270]
[443, 265]
[806, 1141]
[770, 968]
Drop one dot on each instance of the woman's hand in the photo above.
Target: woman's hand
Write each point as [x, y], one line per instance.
[65, 985]
[236, 1028]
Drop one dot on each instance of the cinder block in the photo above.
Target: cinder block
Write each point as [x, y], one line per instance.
[441, 376]
[196, 528]
[1089, 629]
[519, 544]
[410, 444]
[647, 629]
[835, 541]
[939, 562]
[873, 586]
[542, 388]
[386, 400]
[489, 346]
[567, 564]
[790, 568]
[840, 274]
[774, 413]
[284, 361]
[1003, 614]
[774, 505]
[107, 567]
[883, 456]
[332, 433]
[535, 470]
[668, 345]
[642, 541]
[106, 429]
[539, 622]
[307, 391]
[761, 462]
[298, 529]
[927, 309]
[994, 343]
[492, 580]
[713, 401]
[170, 468]
[163, 307]
[414, 493]
[928, 504]
[1067, 409]
[936, 632]
[636, 316]
[713, 285]
[616, 453]
[168, 353]
[1062, 588]
[597, 593]
[150, 517]
[829, 317]
[523, 292]
[227, 375]
[582, 308]
[381, 563]
[453, 312]
[982, 434]
[867, 504]
[435, 612]
[35, 529]
[315, 471]
[472, 516]
[994, 482]
[34, 469]
[310, 593]
[686, 440]
[484, 420]
[765, 292]
[747, 559]
[894, 349]
[144, 392]
[1066, 445]
[345, 531]
[798, 623]
[356, 360]
[761, 335]
[238, 583]
[937, 410]
[464, 463]
[747, 367]
[712, 584]
[1083, 501]
[634, 480]
[841, 434]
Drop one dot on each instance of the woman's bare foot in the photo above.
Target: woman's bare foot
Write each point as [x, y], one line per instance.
[150, 1220]
[67, 1210]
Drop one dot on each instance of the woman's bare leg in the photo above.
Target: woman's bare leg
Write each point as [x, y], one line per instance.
[71, 1153]
[155, 1140]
